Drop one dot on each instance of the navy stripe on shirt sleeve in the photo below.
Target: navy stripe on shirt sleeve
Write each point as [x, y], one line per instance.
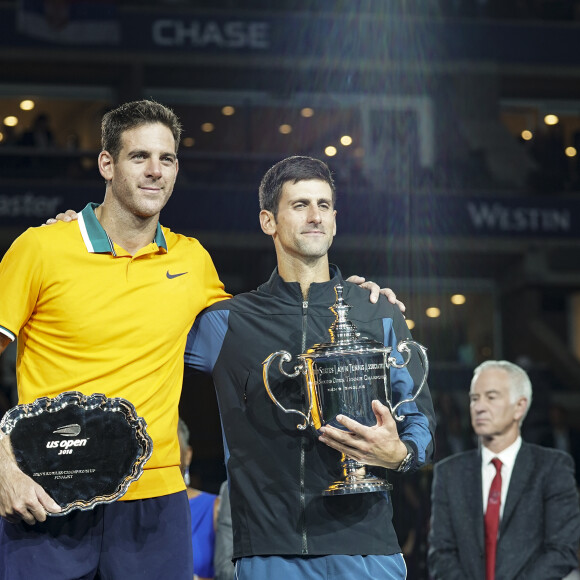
[205, 340]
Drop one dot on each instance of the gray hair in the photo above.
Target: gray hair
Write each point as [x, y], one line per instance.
[519, 381]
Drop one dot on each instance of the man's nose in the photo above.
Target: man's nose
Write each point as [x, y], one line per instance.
[314, 215]
[154, 167]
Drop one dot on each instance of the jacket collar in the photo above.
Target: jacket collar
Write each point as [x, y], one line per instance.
[95, 237]
[471, 484]
[319, 291]
[521, 474]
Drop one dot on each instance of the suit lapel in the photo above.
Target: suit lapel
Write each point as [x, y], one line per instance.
[471, 484]
[521, 474]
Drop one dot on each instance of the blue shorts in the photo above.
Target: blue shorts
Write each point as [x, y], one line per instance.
[322, 568]
[147, 539]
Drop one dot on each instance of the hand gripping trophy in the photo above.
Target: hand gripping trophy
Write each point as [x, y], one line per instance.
[344, 376]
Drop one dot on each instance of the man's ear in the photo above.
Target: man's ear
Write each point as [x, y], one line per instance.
[105, 162]
[521, 406]
[267, 222]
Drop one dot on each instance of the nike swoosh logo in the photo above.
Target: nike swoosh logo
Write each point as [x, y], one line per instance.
[170, 276]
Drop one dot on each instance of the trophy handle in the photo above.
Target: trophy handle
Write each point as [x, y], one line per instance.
[285, 356]
[403, 348]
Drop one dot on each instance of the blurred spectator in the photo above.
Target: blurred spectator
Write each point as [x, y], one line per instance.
[204, 510]
[561, 435]
[9, 136]
[39, 135]
[451, 436]
[548, 151]
[224, 538]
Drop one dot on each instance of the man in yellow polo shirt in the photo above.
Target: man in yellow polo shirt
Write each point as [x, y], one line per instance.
[104, 305]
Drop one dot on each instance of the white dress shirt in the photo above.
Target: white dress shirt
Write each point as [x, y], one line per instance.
[507, 458]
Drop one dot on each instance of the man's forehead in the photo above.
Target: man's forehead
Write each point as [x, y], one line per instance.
[311, 187]
[141, 136]
[490, 380]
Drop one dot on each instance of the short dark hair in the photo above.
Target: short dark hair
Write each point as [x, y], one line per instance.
[134, 114]
[294, 169]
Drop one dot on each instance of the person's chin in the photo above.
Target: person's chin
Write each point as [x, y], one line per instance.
[482, 429]
[152, 209]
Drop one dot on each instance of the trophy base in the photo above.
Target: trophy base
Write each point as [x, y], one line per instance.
[358, 484]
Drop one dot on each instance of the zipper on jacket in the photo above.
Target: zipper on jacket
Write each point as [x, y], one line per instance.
[303, 444]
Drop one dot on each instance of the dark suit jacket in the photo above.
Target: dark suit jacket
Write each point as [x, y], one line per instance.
[540, 527]
[224, 538]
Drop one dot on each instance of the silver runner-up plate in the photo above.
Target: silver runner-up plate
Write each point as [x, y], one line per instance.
[83, 450]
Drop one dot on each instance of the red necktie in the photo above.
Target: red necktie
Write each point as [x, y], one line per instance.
[491, 521]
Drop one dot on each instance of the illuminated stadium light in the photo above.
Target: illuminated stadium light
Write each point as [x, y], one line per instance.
[330, 151]
[458, 299]
[551, 119]
[307, 112]
[27, 105]
[527, 135]
[346, 140]
[228, 111]
[285, 129]
[433, 312]
[207, 127]
[11, 121]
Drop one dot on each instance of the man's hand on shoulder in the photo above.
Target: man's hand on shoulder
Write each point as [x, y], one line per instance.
[68, 216]
[21, 498]
[375, 290]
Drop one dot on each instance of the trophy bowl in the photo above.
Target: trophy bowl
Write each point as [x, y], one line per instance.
[343, 377]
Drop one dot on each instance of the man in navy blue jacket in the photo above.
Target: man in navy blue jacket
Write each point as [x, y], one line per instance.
[283, 526]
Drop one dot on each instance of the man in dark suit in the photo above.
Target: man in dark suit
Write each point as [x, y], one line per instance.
[509, 510]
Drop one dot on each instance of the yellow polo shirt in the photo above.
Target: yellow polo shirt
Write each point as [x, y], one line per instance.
[90, 317]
